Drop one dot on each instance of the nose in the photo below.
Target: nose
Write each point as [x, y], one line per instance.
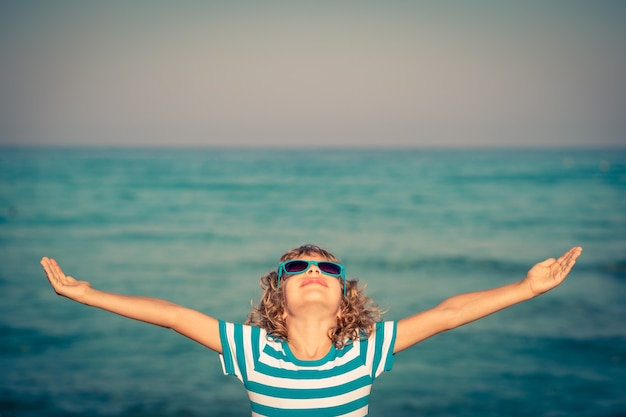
[313, 269]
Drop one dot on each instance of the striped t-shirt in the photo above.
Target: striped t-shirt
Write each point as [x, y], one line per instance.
[279, 384]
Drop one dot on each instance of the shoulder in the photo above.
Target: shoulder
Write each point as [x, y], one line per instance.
[389, 325]
[237, 332]
[376, 351]
[381, 331]
[384, 329]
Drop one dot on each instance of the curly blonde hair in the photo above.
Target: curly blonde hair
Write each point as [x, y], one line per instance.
[358, 312]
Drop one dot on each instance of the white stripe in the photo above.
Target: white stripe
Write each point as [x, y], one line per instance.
[285, 364]
[334, 381]
[385, 348]
[247, 348]
[371, 349]
[230, 336]
[310, 403]
[223, 364]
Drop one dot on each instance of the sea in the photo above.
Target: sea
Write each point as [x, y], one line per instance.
[200, 226]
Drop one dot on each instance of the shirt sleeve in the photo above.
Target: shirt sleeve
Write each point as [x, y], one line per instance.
[381, 343]
[231, 338]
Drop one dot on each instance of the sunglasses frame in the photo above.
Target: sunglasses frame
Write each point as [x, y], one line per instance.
[283, 271]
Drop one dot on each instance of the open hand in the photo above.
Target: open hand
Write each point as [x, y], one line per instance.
[548, 274]
[63, 285]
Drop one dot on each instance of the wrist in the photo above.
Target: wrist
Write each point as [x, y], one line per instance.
[529, 290]
[86, 295]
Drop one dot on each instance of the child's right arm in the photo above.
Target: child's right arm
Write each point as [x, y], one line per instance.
[188, 322]
[464, 308]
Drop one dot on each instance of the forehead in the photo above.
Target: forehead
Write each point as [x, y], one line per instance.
[311, 256]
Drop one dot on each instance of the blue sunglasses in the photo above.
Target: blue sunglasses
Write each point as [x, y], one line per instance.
[297, 266]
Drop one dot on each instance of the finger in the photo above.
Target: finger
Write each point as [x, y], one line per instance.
[569, 257]
[568, 260]
[53, 271]
[44, 261]
[47, 267]
[57, 269]
[575, 251]
[51, 275]
[565, 258]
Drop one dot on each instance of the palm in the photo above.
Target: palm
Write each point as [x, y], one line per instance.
[548, 274]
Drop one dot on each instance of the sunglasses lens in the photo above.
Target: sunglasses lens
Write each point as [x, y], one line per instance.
[296, 266]
[329, 268]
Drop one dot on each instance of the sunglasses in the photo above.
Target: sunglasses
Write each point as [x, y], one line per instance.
[297, 266]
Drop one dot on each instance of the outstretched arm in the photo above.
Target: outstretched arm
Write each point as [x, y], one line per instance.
[465, 308]
[188, 322]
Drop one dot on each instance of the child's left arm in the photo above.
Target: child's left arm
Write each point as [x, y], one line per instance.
[465, 308]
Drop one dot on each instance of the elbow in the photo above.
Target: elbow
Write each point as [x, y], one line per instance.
[449, 318]
[172, 317]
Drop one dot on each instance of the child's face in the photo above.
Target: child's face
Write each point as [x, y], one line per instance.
[312, 290]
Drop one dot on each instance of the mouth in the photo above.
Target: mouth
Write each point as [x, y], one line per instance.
[310, 281]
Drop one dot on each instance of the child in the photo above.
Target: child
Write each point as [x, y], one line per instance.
[315, 342]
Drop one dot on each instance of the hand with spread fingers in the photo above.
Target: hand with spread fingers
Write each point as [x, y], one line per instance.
[548, 274]
[188, 322]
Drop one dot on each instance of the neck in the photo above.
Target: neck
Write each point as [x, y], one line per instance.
[308, 338]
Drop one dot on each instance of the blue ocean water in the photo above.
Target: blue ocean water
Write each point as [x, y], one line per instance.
[200, 226]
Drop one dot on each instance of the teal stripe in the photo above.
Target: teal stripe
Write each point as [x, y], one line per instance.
[226, 353]
[304, 393]
[378, 343]
[256, 340]
[344, 351]
[279, 352]
[390, 355]
[270, 351]
[240, 351]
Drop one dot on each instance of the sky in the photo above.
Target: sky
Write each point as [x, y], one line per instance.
[313, 74]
